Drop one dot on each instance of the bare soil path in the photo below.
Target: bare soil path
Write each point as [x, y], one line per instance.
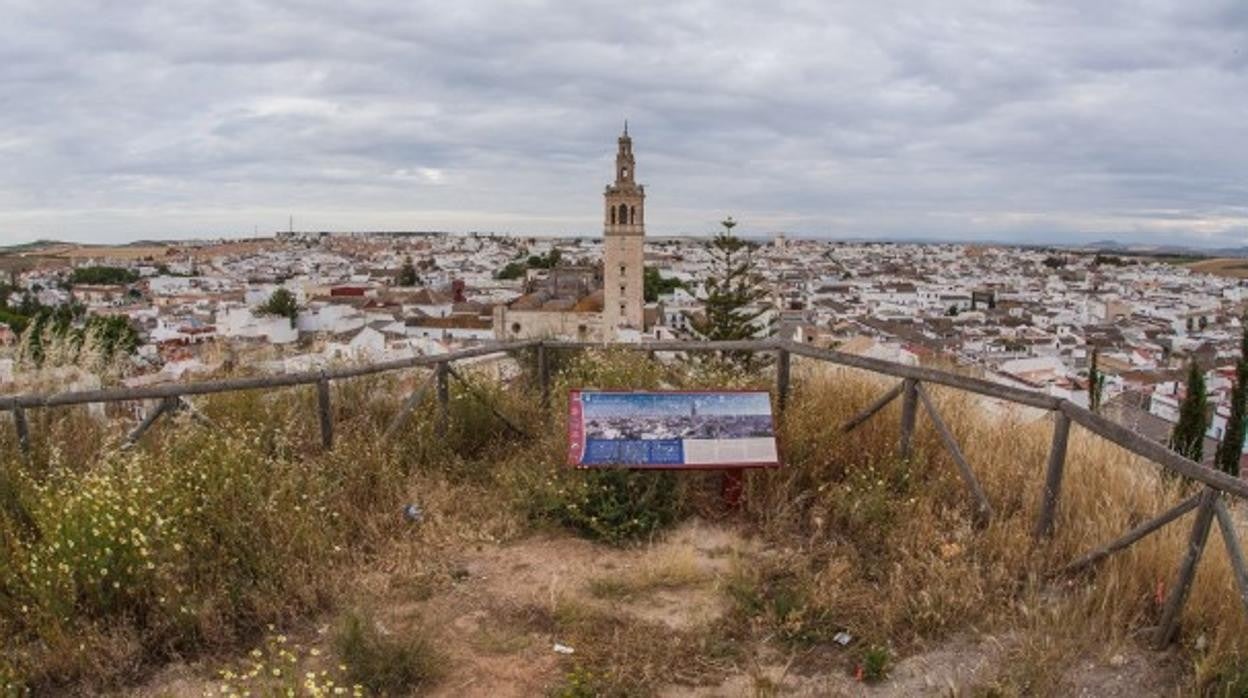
[489, 608]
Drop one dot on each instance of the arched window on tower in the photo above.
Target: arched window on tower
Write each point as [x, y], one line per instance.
[632, 215]
[623, 214]
[612, 215]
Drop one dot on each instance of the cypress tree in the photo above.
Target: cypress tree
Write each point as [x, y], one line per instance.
[1232, 444]
[1188, 438]
[1096, 382]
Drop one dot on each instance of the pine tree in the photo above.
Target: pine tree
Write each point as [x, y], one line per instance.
[1232, 444]
[1096, 382]
[407, 274]
[1188, 438]
[733, 292]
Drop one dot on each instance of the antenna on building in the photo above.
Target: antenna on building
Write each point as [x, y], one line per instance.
[292, 223]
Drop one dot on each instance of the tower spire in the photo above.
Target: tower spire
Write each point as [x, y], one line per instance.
[624, 230]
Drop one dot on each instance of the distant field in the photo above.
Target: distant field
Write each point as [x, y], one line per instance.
[1233, 267]
[120, 252]
[44, 254]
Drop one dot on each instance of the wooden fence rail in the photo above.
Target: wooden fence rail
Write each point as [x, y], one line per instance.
[171, 397]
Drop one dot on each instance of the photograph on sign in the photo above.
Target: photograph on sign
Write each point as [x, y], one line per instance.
[729, 429]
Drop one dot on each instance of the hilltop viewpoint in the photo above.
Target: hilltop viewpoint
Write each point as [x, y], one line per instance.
[229, 553]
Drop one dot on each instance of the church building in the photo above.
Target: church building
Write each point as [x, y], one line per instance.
[609, 303]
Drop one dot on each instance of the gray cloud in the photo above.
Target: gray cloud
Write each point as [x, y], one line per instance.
[1044, 121]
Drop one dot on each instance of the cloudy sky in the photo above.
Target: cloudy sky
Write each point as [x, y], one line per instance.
[1052, 121]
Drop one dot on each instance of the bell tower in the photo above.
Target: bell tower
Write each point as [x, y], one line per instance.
[624, 230]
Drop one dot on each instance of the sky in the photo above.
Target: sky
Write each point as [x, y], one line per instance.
[1062, 121]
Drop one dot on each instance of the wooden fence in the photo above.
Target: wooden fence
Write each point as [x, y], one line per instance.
[1208, 502]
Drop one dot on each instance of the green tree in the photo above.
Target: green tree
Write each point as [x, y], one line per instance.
[1232, 444]
[550, 260]
[407, 274]
[513, 270]
[516, 268]
[1096, 382]
[1188, 437]
[281, 302]
[733, 292]
[654, 285]
[103, 275]
[16, 322]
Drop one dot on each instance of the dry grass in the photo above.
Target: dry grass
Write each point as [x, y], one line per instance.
[622, 655]
[886, 549]
[850, 537]
[113, 562]
[386, 662]
[671, 568]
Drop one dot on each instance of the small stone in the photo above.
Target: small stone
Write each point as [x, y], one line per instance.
[413, 513]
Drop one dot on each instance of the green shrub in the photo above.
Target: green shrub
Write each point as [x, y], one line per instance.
[777, 595]
[875, 661]
[197, 540]
[866, 504]
[614, 505]
[580, 683]
[477, 434]
[609, 369]
[386, 664]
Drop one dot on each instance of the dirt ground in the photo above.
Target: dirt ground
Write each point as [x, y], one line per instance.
[479, 602]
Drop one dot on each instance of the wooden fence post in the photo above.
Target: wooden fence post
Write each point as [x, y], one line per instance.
[909, 409]
[484, 400]
[324, 408]
[1053, 476]
[444, 397]
[1133, 536]
[983, 509]
[1234, 553]
[23, 432]
[874, 407]
[166, 404]
[543, 373]
[406, 408]
[1187, 570]
[782, 377]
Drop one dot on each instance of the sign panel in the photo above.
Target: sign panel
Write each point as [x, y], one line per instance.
[674, 430]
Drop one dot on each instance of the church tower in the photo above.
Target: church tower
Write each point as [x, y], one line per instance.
[624, 230]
